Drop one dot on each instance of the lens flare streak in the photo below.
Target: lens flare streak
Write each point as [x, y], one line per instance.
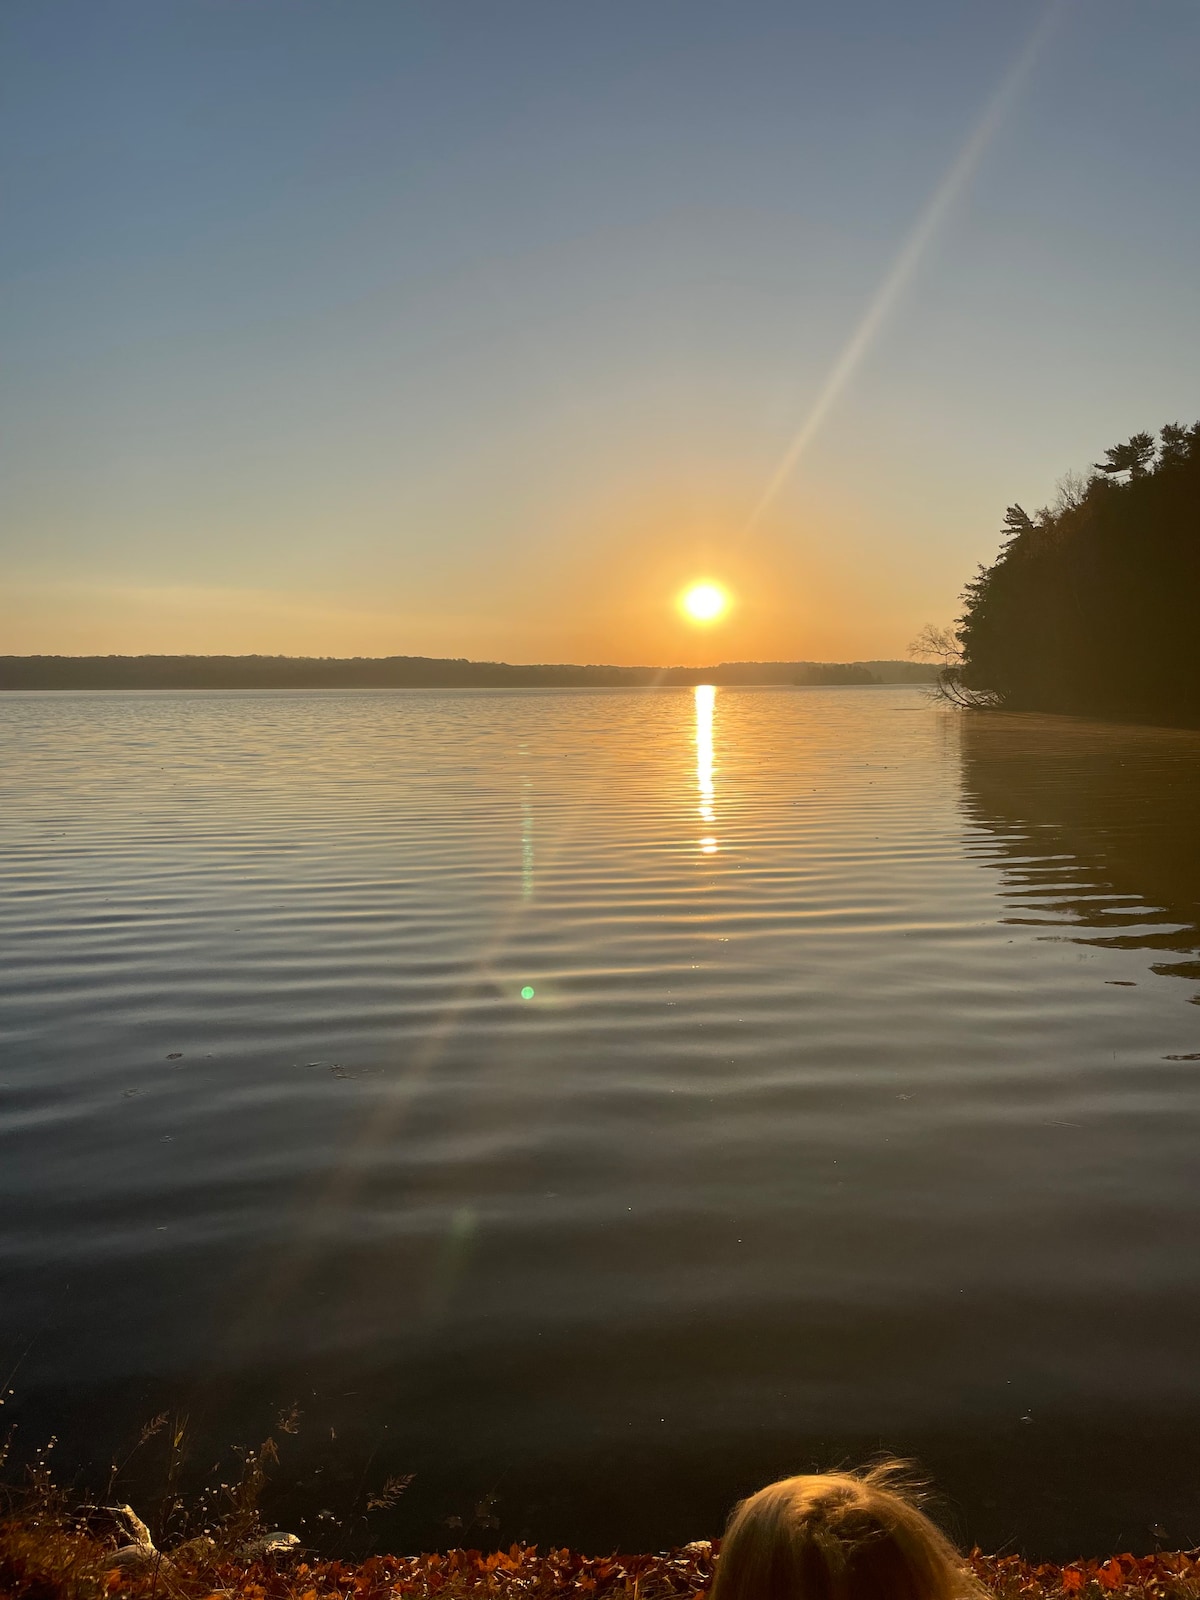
[899, 274]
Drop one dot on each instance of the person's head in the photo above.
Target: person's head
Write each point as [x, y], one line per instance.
[838, 1536]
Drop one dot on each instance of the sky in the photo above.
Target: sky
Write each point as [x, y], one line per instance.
[372, 327]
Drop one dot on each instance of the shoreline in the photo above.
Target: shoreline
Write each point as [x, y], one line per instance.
[426, 672]
[45, 1558]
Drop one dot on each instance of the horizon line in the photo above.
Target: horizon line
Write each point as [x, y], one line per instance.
[575, 666]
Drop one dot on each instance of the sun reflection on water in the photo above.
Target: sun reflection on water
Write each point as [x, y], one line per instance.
[706, 696]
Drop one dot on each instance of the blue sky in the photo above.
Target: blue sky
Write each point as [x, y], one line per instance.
[360, 326]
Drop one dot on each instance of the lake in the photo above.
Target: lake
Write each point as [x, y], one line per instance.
[598, 1102]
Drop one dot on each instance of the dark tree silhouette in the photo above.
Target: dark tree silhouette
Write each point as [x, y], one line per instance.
[1135, 456]
[405, 672]
[1016, 520]
[1094, 607]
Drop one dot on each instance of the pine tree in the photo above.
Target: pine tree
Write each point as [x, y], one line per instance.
[1135, 456]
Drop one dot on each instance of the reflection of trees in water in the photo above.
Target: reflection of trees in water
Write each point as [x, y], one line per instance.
[1093, 826]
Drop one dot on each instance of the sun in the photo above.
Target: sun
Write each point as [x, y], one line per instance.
[704, 602]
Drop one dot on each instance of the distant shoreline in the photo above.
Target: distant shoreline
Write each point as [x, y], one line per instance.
[421, 672]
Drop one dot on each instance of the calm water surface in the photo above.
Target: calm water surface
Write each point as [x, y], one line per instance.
[597, 1102]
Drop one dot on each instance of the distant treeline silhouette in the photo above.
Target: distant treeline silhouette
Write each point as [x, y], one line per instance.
[413, 672]
[1092, 605]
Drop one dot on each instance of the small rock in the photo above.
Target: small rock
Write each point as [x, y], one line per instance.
[268, 1544]
[134, 1555]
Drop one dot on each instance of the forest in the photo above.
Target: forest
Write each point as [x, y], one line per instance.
[1091, 605]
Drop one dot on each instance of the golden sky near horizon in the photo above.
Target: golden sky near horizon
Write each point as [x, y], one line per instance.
[625, 608]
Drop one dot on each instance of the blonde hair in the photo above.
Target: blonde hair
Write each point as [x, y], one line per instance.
[839, 1536]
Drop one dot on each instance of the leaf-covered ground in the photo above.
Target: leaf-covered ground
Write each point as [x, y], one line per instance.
[43, 1562]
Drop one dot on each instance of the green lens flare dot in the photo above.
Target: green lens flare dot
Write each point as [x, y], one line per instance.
[527, 992]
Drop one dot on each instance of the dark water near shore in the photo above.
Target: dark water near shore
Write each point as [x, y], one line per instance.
[853, 1099]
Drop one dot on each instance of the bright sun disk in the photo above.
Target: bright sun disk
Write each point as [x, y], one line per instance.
[704, 602]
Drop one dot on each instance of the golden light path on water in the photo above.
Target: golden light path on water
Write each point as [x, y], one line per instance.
[706, 696]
